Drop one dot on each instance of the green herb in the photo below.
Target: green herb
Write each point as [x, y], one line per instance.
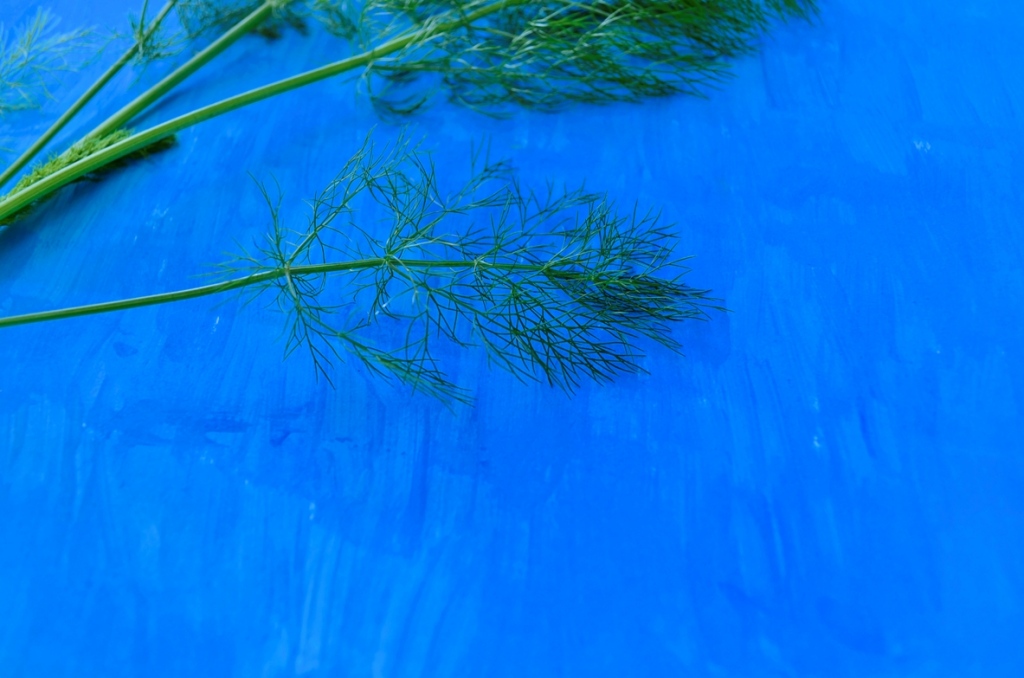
[143, 44]
[31, 56]
[555, 286]
[487, 53]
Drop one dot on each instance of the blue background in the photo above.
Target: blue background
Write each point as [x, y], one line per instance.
[828, 484]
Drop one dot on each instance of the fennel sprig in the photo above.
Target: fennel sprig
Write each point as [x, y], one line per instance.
[32, 53]
[143, 34]
[555, 286]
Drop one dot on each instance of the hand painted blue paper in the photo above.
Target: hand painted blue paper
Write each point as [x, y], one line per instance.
[827, 484]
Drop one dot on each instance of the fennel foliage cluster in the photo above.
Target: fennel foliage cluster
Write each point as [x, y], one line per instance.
[554, 285]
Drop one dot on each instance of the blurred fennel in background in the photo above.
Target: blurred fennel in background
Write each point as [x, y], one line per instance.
[486, 54]
[558, 288]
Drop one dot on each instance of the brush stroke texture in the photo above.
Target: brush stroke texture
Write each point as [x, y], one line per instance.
[829, 484]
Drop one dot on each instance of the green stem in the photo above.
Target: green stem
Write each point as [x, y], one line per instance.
[262, 277]
[147, 98]
[17, 201]
[63, 120]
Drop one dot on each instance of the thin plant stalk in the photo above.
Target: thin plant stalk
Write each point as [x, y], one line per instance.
[653, 35]
[283, 272]
[140, 140]
[85, 98]
[556, 286]
[172, 80]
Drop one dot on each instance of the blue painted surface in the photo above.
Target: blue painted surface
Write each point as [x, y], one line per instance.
[828, 484]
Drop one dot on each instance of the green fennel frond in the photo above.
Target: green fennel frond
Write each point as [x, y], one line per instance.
[544, 54]
[200, 17]
[31, 55]
[556, 286]
[396, 271]
[151, 39]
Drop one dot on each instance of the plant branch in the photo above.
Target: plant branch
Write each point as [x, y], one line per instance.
[150, 96]
[555, 286]
[538, 54]
[263, 277]
[15, 202]
[85, 98]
